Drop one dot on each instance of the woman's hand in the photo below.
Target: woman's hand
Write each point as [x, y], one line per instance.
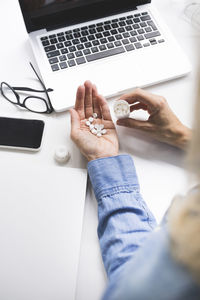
[88, 101]
[162, 123]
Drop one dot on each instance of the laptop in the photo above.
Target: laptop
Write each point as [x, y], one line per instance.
[41, 219]
[118, 45]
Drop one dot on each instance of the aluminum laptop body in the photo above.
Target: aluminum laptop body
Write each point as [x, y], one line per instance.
[138, 61]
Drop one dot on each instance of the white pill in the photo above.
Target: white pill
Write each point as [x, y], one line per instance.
[96, 126]
[121, 109]
[95, 115]
[91, 119]
[94, 131]
[62, 154]
[101, 126]
[87, 123]
[104, 131]
[99, 134]
[91, 126]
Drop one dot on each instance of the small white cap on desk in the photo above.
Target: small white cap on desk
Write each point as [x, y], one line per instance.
[62, 154]
[121, 109]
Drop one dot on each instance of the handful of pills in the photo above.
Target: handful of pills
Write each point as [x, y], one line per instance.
[96, 129]
[121, 109]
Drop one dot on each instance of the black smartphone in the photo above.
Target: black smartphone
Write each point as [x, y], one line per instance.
[22, 134]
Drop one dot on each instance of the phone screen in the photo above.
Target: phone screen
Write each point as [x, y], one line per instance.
[21, 133]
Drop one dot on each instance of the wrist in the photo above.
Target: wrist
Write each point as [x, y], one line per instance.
[100, 155]
[183, 137]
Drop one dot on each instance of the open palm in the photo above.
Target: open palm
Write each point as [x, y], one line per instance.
[88, 101]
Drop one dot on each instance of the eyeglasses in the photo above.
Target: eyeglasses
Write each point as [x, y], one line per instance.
[32, 103]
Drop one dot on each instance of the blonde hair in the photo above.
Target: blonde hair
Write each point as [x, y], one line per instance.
[184, 215]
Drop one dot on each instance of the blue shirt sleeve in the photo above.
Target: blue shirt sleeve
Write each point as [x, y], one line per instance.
[124, 218]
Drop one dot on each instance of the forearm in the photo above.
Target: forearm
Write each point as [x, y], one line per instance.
[124, 218]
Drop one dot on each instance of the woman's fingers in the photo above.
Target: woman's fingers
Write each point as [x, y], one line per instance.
[138, 106]
[75, 122]
[80, 99]
[132, 123]
[142, 96]
[88, 99]
[96, 107]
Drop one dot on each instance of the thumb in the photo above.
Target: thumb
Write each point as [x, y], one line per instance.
[75, 120]
[132, 123]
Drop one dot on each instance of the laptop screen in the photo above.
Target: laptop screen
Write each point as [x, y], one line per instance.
[51, 14]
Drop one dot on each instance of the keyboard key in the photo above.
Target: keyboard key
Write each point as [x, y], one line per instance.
[84, 27]
[83, 39]
[107, 22]
[133, 33]
[99, 24]
[117, 43]
[115, 20]
[126, 34]
[92, 31]
[94, 49]
[106, 33]
[138, 45]
[140, 38]
[84, 32]
[151, 23]
[146, 45]
[113, 31]
[50, 48]
[69, 37]
[136, 20]
[76, 30]
[143, 24]
[60, 45]
[148, 29]
[62, 57]
[122, 18]
[91, 37]
[92, 26]
[128, 22]
[45, 43]
[64, 51]
[75, 42]
[72, 49]
[136, 26]
[161, 41]
[145, 13]
[130, 17]
[95, 43]
[71, 63]
[53, 41]
[107, 27]
[121, 30]
[128, 28]
[67, 44]
[118, 37]
[152, 34]
[103, 41]
[80, 47]
[53, 60]
[100, 29]
[133, 40]
[63, 65]
[44, 38]
[111, 38]
[136, 15]
[102, 47]
[110, 45]
[68, 32]
[80, 60]
[125, 41]
[55, 68]
[88, 45]
[115, 25]
[129, 47]
[77, 35]
[60, 34]
[79, 53]
[122, 23]
[53, 54]
[61, 39]
[140, 31]
[52, 36]
[99, 35]
[145, 18]
[104, 54]
[70, 55]
[87, 51]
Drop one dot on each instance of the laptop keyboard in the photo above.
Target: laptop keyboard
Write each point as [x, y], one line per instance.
[82, 45]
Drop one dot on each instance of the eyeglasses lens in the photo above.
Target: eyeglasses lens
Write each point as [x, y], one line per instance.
[9, 93]
[36, 104]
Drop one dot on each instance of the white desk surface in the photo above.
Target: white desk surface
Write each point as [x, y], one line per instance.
[160, 167]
